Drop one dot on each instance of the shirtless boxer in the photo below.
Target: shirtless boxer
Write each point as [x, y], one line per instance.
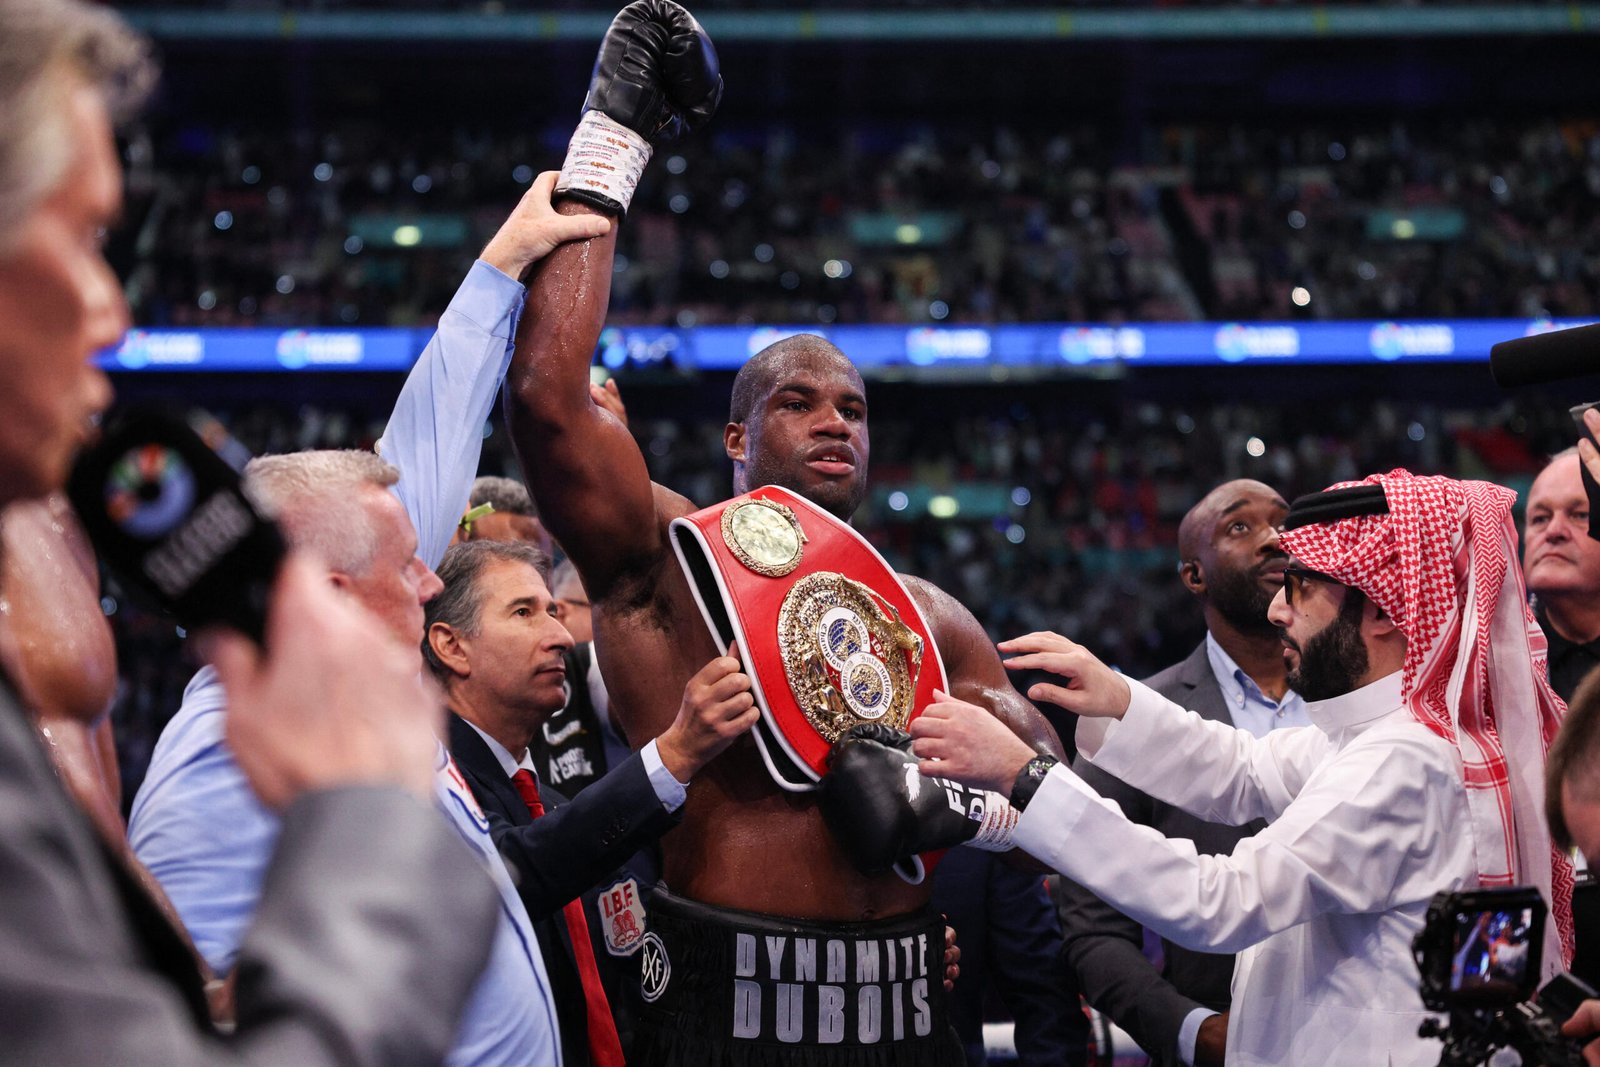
[798, 419]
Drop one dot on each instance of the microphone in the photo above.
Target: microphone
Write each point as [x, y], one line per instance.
[1546, 357]
[170, 517]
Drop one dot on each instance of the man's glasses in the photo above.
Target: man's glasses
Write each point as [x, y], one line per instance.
[1296, 578]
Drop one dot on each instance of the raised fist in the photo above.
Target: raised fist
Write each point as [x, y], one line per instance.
[656, 72]
[655, 79]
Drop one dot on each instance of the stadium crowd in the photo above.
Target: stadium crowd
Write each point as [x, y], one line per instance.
[362, 226]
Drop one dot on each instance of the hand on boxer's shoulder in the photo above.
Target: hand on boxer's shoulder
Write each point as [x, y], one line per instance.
[1092, 688]
[609, 397]
[717, 707]
[535, 228]
[965, 743]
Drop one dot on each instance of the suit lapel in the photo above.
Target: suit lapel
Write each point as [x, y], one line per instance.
[110, 895]
[488, 782]
[1205, 695]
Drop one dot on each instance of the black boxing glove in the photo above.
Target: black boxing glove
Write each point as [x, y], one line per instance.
[882, 810]
[655, 79]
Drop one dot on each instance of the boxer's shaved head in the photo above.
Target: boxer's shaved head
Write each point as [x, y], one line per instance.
[768, 367]
[799, 419]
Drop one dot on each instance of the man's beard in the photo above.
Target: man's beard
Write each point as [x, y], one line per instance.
[1243, 601]
[1333, 662]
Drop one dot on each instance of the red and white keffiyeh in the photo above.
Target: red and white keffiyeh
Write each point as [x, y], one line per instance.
[1442, 564]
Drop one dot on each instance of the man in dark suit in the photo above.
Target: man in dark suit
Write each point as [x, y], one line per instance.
[345, 963]
[1230, 559]
[495, 645]
[1010, 940]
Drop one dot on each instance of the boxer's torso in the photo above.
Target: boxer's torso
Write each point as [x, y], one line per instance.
[744, 842]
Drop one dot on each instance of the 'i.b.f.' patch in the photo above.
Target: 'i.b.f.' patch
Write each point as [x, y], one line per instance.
[622, 917]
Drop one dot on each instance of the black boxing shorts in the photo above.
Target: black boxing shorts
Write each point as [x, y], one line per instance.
[724, 988]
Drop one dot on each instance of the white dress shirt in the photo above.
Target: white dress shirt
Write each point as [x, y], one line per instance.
[1367, 819]
[511, 1018]
[1248, 707]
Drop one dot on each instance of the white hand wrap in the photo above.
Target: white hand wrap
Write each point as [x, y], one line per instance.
[997, 825]
[605, 159]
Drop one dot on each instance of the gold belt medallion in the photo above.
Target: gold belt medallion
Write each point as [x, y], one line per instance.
[848, 656]
[764, 535]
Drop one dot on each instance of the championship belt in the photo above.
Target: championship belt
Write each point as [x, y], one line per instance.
[828, 634]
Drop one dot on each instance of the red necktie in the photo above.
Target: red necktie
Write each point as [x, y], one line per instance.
[605, 1048]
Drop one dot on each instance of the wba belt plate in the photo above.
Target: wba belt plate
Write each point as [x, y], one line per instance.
[830, 636]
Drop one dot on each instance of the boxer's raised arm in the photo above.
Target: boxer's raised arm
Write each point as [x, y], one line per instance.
[656, 78]
[580, 463]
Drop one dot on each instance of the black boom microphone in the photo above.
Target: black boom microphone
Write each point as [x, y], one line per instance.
[1546, 357]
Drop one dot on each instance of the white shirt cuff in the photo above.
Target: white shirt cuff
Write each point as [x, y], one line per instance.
[1189, 1033]
[671, 792]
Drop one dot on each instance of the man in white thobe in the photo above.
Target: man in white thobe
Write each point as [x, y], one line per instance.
[1419, 743]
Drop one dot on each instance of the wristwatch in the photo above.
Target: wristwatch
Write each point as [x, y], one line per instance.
[1029, 779]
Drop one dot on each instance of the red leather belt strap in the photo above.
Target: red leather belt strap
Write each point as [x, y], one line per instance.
[828, 633]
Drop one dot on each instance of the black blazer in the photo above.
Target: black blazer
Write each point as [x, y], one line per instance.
[1007, 931]
[338, 967]
[580, 847]
[1105, 947]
